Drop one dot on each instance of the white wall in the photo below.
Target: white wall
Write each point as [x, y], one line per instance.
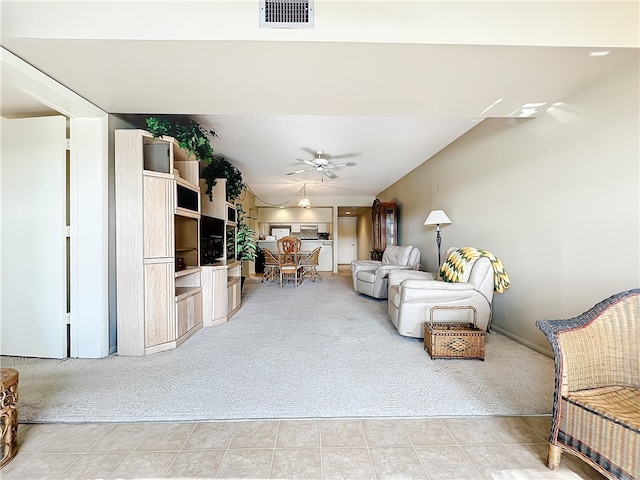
[363, 234]
[89, 237]
[556, 198]
[88, 183]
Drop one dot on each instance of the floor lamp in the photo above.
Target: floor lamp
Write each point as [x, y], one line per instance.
[437, 218]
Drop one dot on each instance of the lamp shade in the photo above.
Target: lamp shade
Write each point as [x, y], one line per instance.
[304, 203]
[437, 217]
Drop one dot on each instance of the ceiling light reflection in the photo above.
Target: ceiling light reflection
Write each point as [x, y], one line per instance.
[491, 106]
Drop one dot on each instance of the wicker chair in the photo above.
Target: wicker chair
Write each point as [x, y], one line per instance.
[309, 265]
[271, 273]
[596, 405]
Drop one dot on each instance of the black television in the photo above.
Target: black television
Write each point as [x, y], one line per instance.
[211, 240]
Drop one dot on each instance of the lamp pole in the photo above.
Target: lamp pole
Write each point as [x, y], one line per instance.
[437, 218]
[438, 241]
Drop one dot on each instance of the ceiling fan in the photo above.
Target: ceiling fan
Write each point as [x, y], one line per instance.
[322, 165]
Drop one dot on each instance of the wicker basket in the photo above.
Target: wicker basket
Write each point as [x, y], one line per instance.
[8, 415]
[452, 340]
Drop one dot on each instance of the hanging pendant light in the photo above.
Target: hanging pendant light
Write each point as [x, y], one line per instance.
[304, 201]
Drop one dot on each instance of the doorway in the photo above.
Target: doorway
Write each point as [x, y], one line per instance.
[347, 240]
[34, 239]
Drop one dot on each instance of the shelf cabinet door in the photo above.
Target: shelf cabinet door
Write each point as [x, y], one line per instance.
[233, 296]
[196, 318]
[220, 297]
[188, 313]
[159, 282]
[158, 217]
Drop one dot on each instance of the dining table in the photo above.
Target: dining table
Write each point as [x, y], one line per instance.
[272, 261]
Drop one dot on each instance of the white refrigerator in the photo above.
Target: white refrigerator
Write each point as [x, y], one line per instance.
[280, 232]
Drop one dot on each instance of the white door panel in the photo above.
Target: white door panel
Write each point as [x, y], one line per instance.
[33, 205]
[346, 240]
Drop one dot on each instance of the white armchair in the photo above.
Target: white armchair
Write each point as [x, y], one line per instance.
[413, 294]
[370, 276]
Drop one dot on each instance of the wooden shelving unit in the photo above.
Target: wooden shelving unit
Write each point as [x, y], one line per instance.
[159, 298]
[221, 282]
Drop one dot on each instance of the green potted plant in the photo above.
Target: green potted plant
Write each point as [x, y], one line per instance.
[221, 168]
[195, 140]
[188, 133]
[246, 244]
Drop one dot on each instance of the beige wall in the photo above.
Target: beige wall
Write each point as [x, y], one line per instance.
[248, 201]
[363, 235]
[556, 198]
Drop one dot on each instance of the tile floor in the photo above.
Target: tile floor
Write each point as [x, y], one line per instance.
[378, 448]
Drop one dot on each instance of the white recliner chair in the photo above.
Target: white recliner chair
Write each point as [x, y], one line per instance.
[370, 276]
[412, 295]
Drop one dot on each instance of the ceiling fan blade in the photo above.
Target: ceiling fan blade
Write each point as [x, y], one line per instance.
[338, 157]
[298, 171]
[308, 162]
[310, 151]
[330, 174]
[346, 164]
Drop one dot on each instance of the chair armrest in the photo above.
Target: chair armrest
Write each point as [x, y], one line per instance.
[369, 264]
[383, 271]
[400, 275]
[428, 285]
[437, 291]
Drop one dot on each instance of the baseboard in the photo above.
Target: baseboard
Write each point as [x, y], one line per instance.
[526, 343]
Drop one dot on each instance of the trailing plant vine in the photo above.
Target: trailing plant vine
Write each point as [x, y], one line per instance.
[221, 168]
[196, 141]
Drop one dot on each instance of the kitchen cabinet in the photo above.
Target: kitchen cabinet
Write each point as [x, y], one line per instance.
[325, 260]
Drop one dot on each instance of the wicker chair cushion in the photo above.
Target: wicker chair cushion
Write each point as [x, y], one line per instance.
[617, 403]
[591, 427]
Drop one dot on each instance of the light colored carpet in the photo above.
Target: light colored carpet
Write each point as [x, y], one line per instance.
[317, 351]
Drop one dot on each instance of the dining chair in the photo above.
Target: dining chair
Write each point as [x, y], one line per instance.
[288, 259]
[270, 266]
[309, 265]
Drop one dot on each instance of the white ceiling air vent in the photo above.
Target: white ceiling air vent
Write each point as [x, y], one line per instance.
[286, 13]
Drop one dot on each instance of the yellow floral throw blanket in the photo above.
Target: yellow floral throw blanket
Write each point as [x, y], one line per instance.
[453, 268]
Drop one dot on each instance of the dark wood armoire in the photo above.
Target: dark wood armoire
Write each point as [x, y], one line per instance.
[384, 223]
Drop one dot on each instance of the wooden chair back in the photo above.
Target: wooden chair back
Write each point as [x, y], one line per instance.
[288, 250]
